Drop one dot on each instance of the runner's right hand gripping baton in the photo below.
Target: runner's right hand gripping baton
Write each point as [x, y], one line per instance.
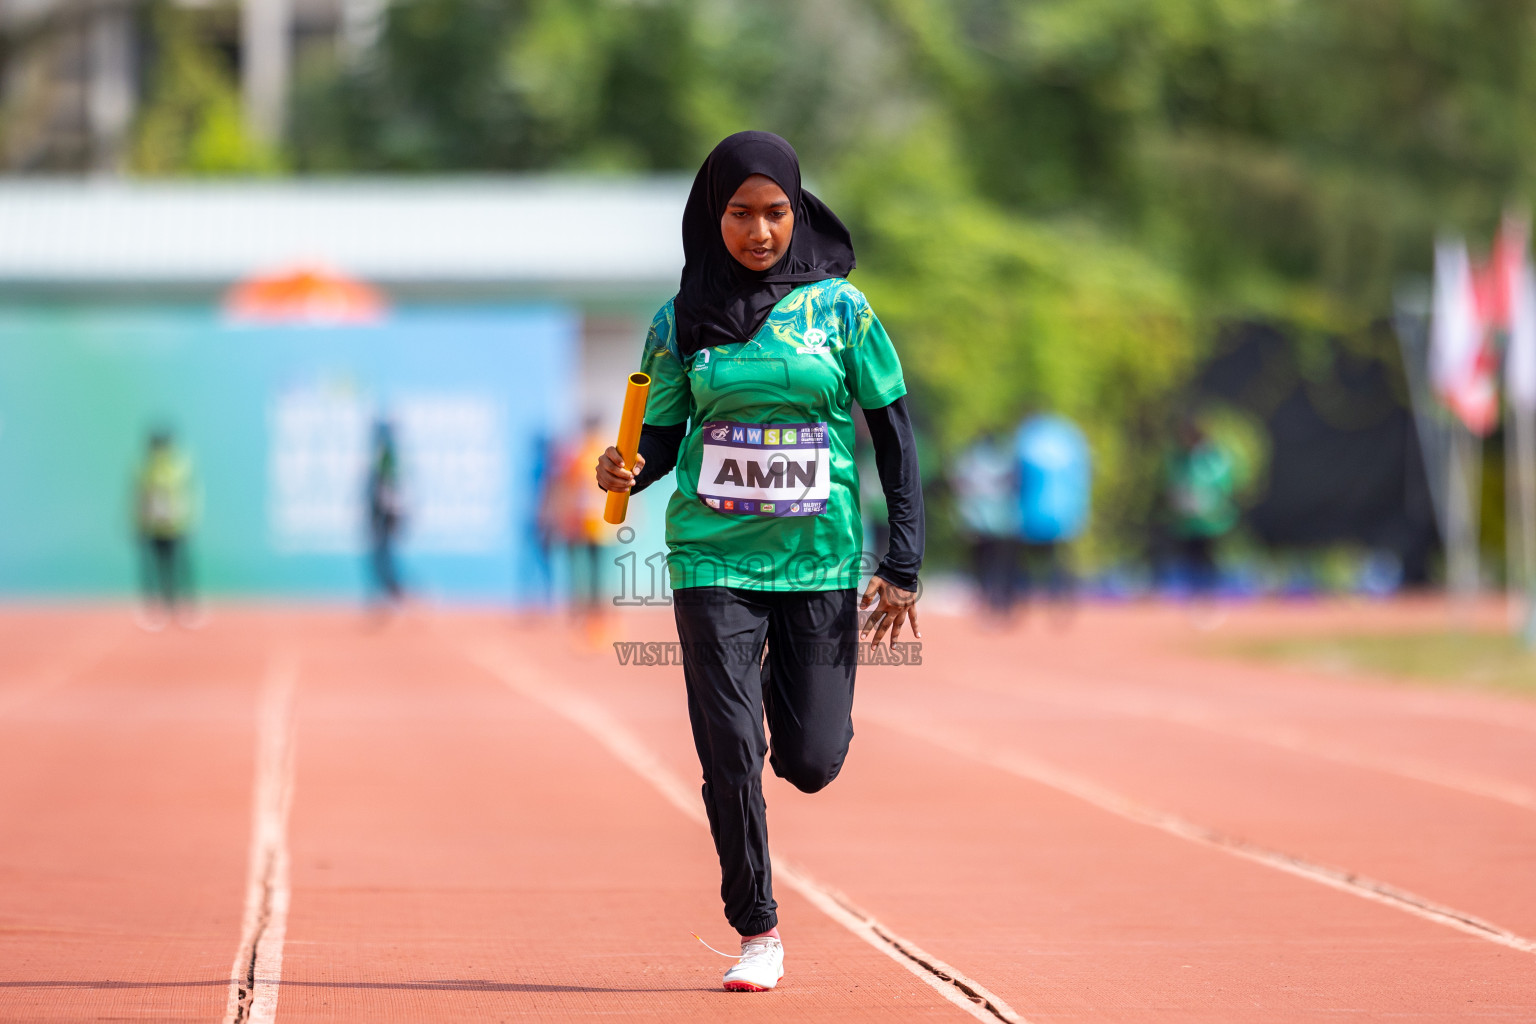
[628, 443]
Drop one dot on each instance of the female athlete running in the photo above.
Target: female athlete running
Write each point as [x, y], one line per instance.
[755, 366]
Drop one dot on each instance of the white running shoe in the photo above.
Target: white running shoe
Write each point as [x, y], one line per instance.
[760, 967]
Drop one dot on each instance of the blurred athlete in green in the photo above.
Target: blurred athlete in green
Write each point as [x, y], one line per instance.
[164, 506]
[1201, 485]
[755, 367]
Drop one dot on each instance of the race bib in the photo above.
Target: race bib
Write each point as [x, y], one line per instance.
[760, 469]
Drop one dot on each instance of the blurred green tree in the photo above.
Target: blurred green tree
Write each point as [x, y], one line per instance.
[1056, 200]
[191, 122]
[1001, 314]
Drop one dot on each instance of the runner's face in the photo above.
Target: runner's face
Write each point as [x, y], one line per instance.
[758, 223]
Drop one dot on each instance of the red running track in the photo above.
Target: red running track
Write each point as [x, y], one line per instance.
[303, 816]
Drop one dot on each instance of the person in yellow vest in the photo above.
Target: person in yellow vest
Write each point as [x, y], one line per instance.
[164, 513]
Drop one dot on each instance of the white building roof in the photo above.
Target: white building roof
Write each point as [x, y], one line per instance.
[517, 230]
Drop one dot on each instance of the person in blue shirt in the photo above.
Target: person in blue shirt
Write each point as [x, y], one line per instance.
[985, 483]
[1055, 482]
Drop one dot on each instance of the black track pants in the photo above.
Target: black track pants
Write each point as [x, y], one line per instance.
[804, 685]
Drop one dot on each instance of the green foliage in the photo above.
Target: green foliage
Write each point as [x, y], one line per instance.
[485, 85]
[1056, 201]
[998, 314]
[191, 123]
[1463, 660]
[1242, 436]
[1289, 159]
[511, 85]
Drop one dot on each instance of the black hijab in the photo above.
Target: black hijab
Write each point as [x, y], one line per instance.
[720, 301]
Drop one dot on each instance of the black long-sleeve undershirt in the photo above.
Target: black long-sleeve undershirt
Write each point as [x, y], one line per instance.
[658, 447]
[890, 428]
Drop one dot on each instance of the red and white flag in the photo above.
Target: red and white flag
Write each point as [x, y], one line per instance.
[1512, 264]
[1520, 372]
[1461, 357]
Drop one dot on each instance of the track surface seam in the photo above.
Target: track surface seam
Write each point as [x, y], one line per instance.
[258, 967]
[1122, 806]
[954, 986]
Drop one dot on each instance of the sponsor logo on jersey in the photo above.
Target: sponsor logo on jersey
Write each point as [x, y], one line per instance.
[730, 505]
[719, 433]
[768, 506]
[815, 342]
[795, 507]
[746, 506]
[712, 502]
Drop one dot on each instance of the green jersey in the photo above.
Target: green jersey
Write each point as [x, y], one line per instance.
[767, 488]
[1201, 483]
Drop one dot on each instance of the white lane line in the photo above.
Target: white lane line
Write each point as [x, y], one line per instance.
[258, 967]
[589, 716]
[1106, 799]
[1201, 715]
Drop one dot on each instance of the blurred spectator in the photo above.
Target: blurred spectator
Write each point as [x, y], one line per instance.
[573, 516]
[985, 483]
[386, 514]
[546, 470]
[1200, 485]
[164, 508]
[1055, 485]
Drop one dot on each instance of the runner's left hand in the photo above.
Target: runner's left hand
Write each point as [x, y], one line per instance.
[896, 606]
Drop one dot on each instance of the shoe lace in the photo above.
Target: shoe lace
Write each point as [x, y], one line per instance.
[712, 949]
[750, 948]
[754, 950]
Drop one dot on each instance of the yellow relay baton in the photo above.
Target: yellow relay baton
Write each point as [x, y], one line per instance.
[628, 443]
